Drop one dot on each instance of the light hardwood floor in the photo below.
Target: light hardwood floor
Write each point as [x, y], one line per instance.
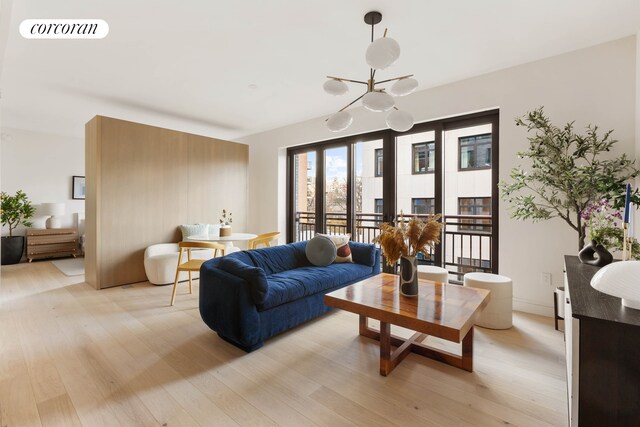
[71, 355]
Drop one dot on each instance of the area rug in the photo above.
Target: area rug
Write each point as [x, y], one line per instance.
[70, 266]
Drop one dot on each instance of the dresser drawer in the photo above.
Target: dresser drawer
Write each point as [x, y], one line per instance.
[47, 239]
[68, 247]
[58, 232]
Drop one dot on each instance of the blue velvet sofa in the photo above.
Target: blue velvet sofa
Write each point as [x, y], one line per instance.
[249, 296]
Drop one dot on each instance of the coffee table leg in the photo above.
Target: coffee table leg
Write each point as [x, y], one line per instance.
[386, 365]
[467, 351]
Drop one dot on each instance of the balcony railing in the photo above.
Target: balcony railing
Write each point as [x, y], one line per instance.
[466, 242]
[467, 245]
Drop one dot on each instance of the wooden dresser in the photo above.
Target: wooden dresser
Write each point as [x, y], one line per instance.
[603, 353]
[52, 242]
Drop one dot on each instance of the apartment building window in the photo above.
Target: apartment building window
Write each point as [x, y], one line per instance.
[378, 171]
[475, 206]
[379, 205]
[424, 157]
[423, 206]
[474, 152]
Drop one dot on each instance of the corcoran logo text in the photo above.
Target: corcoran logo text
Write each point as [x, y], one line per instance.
[64, 29]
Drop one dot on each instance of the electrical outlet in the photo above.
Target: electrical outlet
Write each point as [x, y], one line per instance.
[545, 279]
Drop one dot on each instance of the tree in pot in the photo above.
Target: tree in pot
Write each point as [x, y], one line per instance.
[16, 210]
[567, 173]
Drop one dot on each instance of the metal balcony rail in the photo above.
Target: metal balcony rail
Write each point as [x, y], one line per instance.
[466, 242]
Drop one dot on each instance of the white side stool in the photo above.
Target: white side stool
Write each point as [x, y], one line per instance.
[498, 314]
[433, 273]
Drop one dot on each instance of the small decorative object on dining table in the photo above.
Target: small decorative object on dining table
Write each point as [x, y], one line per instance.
[404, 242]
[225, 224]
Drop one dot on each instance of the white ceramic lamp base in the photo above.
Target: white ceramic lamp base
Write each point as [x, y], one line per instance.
[53, 222]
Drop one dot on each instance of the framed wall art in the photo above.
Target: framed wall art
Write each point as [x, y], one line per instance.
[78, 187]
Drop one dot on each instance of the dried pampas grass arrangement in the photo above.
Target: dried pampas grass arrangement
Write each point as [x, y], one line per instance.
[408, 238]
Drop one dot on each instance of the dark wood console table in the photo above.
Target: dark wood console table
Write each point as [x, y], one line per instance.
[603, 353]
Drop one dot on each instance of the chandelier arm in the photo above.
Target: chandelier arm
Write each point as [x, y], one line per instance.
[347, 80]
[352, 102]
[395, 78]
[349, 104]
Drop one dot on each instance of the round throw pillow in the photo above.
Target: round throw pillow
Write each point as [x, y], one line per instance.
[321, 251]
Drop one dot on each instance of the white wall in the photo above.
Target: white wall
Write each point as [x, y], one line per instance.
[594, 85]
[42, 165]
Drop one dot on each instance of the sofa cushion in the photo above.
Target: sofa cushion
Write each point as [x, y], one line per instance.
[291, 285]
[321, 251]
[253, 275]
[189, 230]
[343, 250]
[276, 259]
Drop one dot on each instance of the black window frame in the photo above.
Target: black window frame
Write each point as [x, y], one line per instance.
[475, 145]
[430, 150]
[430, 203]
[378, 169]
[375, 206]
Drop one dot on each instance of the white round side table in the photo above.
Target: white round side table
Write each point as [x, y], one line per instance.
[433, 273]
[498, 314]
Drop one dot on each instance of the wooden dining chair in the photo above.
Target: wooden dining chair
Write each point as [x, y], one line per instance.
[193, 264]
[263, 239]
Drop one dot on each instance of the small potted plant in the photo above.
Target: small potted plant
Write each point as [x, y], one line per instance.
[406, 240]
[16, 210]
[225, 223]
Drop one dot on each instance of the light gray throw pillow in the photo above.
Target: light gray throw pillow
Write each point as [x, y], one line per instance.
[321, 251]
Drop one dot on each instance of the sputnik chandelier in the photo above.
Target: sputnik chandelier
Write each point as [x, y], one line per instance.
[380, 54]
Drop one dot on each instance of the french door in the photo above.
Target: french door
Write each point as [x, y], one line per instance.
[448, 167]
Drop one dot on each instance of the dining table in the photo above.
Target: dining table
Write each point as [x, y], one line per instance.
[228, 241]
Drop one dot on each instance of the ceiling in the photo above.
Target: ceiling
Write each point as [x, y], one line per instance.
[233, 68]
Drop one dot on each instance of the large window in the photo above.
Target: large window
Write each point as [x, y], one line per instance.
[378, 162]
[350, 184]
[424, 157]
[475, 152]
[474, 206]
[423, 206]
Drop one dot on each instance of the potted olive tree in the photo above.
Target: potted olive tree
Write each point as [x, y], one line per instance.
[568, 172]
[16, 210]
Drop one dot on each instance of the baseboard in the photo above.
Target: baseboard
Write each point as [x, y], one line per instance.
[533, 308]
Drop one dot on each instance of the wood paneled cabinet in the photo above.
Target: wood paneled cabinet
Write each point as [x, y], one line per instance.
[52, 242]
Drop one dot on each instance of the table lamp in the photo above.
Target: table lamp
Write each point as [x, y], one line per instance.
[52, 210]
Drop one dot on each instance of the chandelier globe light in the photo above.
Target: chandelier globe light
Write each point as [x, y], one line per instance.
[381, 54]
[403, 87]
[335, 87]
[339, 121]
[378, 101]
[399, 120]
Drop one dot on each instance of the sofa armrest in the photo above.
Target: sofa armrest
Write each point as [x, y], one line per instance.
[227, 307]
[364, 253]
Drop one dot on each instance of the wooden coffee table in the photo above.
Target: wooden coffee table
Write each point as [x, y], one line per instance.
[443, 311]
